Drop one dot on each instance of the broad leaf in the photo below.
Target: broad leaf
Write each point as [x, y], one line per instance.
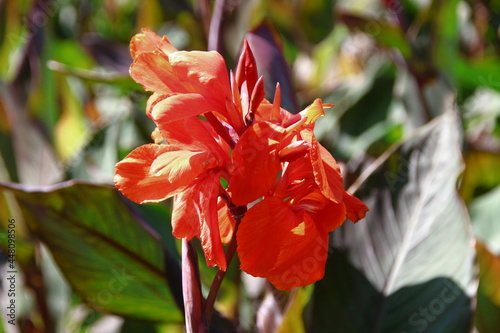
[104, 252]
[416, 240]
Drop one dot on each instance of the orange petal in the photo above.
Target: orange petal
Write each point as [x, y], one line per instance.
[302, 257]
[226, 222]
[283, 246]
[261, 234]
[331, 217]
[313, 111]
[204, 73]
[185, 218]
[326, 170]
[198, 204]
[152, 173]
[154, 72]
[256, 163]
[148, 41]
[356, 209]
[152, 100]
[190, 133]
[247, 68]
[177, 107]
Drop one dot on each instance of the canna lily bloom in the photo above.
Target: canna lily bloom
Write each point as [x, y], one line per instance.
[213, 126]
[284, 237]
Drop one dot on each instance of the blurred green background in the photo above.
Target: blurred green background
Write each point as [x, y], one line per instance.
[416, 84]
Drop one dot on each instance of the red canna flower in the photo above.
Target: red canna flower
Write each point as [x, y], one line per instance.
[213, 126]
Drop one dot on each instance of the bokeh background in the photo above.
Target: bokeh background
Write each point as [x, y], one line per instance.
[416, 84]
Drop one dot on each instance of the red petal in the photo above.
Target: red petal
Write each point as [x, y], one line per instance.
[178, 107]
[152, 173]
[204, 73]
[226, 222]
[356, 209]
[191, 134]
[257, 95]
[302, 256]
[261, 233]
[185, 218]
[182, 73]
[276, 243]
[268, 112]
[198, 204]
[326, 170]
[154, 72]
[148, 41]
[331, 217]
[256, 163]
[247, 68]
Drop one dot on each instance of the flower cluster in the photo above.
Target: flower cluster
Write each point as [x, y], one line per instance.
[226, 154]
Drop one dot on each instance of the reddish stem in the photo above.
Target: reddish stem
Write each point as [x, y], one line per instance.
[237, 212]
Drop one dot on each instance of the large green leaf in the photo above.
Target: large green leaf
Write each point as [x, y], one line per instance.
[415, 247]
[109, 258]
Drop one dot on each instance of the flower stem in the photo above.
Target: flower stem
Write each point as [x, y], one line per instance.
[214, 288]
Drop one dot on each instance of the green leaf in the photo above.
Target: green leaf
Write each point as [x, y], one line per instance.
[345, 301]
[445, 46]
[104, 252]
[484, 212]
[483, 72]
[415, 242]
[481, 174]
[292, 318]
[383, 32]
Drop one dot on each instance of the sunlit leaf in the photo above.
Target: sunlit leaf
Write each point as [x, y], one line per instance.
[104, 252]
[415, 246]
[484, 212]
[70, 132]
[293, 316]
[481, 173]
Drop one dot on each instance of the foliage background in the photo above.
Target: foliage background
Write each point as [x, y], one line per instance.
[416, 85]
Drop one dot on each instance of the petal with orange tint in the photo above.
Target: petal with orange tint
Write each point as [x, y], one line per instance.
[226, 222]
[154, 72]
[204, 73]
[191, 133]
[149, 41]
[331, 217]
[152, 173]
[261, 234]
[269, 112]
[185, 218]
[152, 100]
[198, 204]
[247, 68]
[313, 111]
[326, 170]
[356, 209]
[181, 106]
[256, 163]
[302, 256]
